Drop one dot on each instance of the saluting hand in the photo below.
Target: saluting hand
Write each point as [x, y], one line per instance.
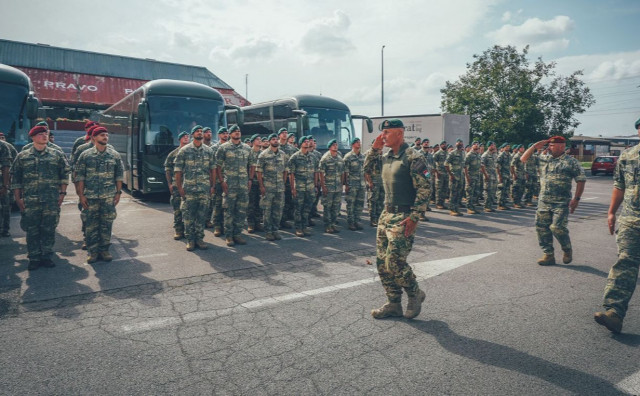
[378, 143]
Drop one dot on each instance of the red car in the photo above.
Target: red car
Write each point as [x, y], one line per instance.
[604, 164]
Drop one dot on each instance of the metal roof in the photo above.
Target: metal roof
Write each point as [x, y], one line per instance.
[42, 56]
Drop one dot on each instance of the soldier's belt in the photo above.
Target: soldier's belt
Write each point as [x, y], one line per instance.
[397, 208]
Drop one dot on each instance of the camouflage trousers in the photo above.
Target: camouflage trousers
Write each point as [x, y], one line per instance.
[376, 201]
[456, 189]
[217, 213]
[623, 276]
[442, 188]
[314, 206]
[503, 190]
[392, 249]
[530, 189]
[517, 190]
[5, 212]
[254, 213]
[551, 221]
[302, 208]
[39, 220]
[288, 203]
[491, 187]
[99, 221]
[474, 189]
[194, 209]
[355, 204]
[235, 204]
[176, 200]
[272, 204]
[331, 208]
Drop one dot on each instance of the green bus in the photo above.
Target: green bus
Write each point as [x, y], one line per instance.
[18, 105]
[322, 117]
[144, 127]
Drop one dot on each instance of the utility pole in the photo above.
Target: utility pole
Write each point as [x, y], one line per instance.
[382, 82]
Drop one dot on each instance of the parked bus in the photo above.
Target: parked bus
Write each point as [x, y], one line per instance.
[320, 116]
[18, 105]
[144, 127]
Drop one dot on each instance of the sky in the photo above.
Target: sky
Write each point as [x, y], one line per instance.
[334, 47]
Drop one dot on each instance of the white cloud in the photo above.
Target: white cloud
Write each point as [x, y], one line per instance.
[602, 67]
[506, 17]
[542, 36]
[328, 36]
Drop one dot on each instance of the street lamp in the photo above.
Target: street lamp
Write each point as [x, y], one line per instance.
[246, 86]
[382, 82]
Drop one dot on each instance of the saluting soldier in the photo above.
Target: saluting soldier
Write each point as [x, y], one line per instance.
[99, 174]
[332, 181]
[272, 175]
[503, 165]
[490, 173]
[254, 213]
[232, 160]
[40, 178]
[354, 189]
[218, 212]
[373, 175]
[518, 176]
[8, 153]
[555, 201]
[175, 200]
[454, 165]
[442, 178]
[531, 175]
[194, 174]
[301, 168]
[473, 175]
[406, 187]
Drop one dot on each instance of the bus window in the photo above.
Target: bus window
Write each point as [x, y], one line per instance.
[13, 121]
[327, 124]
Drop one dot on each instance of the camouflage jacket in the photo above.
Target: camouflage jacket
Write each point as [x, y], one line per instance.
[49, 144]
[455, 160]
[39, 174]
[439, 158]
[556, 176]
[518, 165]
[354, 166]
[503, 163]
[272, 165]
[373, 166]
[99, 171]
[6, 155]
[332, 168]
[288, 149]
[428, 157]
[531, 166]
[303, 167]
[627, 177]
[489, 162]
[233, 160]
[77, 143]
[253, 161]
[196, 165]
[473, 163]
[170, 162]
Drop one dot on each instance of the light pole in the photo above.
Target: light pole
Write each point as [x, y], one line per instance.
[382, 82]
[246, 86]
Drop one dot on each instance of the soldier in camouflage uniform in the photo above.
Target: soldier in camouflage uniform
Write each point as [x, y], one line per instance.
[555, 202]
[232, 160]
[217, 217]
[169, 165]
[50, 144]
[518, 176]
[406, 187]
[318, 193]
[354, 180]
[254, 213]
[490, 176]
[473, 175]
[99, 174]
[195, 170]
[7, 154]
[302, 169]
[289, 150]
[454, 165]
[332, 179]
[271, 171]
[373, 175]
[623, 276]
[40, 178]
[442, 178]
[207, 137]
[503, 164]
[83, 139]
[425, 150]
[531, 176]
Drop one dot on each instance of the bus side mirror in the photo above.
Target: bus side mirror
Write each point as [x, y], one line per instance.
[366, 119]
[142, 110]
[32, 107]
[238, 112]
[305, 123]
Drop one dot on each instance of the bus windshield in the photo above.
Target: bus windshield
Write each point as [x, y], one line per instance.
[12, 99]
[170, 115]
[326, 124]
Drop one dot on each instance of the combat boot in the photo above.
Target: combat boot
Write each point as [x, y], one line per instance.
[352, 227]
[517, 206]
[328, 230]
[84, 245]
[285, 225]
[47, 263]
[610, 319]
[359, 227]
[488, 210]
[415, 305]
[439, 207]
[178, 235]
[230, 241]
[471, 211]
[33, 265]
[547, 259]
[92, 258]
[530, 204]
[201, 245]
[502, 208]
[454, 213]
[306, 231]
[567, 257]
[191, 246]
[239, 240]
[270, 237]
[335, 229]
[277, 236]
[208, 224]
[251, 229]
[299, 233]
[387, 310]
[217, 232]
[106, 256]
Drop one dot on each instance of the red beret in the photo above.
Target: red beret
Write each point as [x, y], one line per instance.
[557, 139]
[89, 124]
[95, 131]
[37, 129]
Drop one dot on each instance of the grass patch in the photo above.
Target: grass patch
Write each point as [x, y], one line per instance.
[586, 165]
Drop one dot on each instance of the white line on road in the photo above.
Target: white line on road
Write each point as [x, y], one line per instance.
[423, 270]
[631, 384]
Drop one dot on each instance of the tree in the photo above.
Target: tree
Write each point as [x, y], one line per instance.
[510, 101]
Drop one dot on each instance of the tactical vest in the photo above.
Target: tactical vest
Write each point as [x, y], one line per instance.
[396, 179]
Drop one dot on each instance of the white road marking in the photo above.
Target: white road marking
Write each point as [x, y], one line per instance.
[423, 270]
[631, 384]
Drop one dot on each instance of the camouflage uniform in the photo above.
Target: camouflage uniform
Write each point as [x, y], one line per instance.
[489, 163]
[455, 160]
[8, 153]
[303, 168]
[504, 162]
[406, 193]
[272, 166]
[333, 169]
[215, 212]
[39, 174]
[531, 173]
[289, 150]
[428, 158]
[623, 275]
[233, 161]
[517, 189]
[473, 163]
[442, 182]
[99, 171]
[254, 213]
[552, 215]
[49, 144]
[373, 167]
[353, 165]
[175, 200]
[318, 193]
[196, 165]
[77, 143]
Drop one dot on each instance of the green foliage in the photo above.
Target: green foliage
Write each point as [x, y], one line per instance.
[509, 100]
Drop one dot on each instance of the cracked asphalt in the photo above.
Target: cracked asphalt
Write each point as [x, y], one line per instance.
[294, 317]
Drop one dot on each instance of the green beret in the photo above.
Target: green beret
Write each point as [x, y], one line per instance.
[475, 142]
[443, 142]
[303, 139]
[459, 140]
[449, 146]
[637, 124]
[195, 128]
[291, 134]
[246, 140]
[273, 135]
[490, 142]
[282, 130]
[234, 128]
[254, 137]
[264, 139]
[530, 144]
[435, 146]
[331, 143]
[355, 139]
[394, 123]
[206, 129]
[43, 123]
[222, 130]
[182, 134]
